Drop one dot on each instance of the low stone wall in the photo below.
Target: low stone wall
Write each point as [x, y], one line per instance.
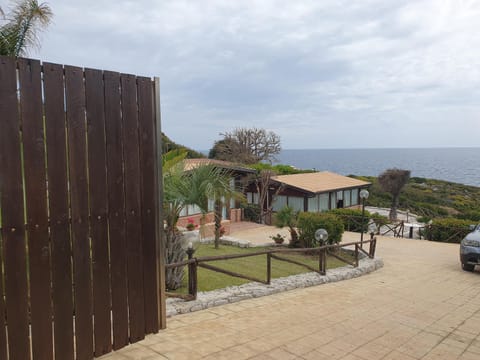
[236, 215]
[253, 290]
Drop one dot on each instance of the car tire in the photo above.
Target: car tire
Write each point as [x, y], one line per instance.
[468, 267]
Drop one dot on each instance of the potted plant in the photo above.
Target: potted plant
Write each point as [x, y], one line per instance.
[221, 231]
[190, 225]
[279, 239]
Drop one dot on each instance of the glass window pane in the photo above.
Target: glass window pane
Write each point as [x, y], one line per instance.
[333, 201]
[323, 202]
[346, 198]
[183, 212]
[296, 203]
[313, 204]
[211, 205]
[354, 197]
[279, 202]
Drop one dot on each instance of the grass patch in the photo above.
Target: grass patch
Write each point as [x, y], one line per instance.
[255, 266]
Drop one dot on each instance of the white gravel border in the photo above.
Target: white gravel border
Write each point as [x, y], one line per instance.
[251, 290]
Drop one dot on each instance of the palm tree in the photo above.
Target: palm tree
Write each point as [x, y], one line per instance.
[195, 187]
[26, 19]
[288, 217]
[174, 189]
[209, 182]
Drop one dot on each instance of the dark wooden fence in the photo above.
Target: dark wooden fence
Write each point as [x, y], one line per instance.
[321, 251]
[80, 247]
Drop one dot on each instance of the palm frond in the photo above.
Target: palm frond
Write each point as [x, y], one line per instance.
[26, 20]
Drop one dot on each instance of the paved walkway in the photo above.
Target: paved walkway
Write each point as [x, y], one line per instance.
[421, 305]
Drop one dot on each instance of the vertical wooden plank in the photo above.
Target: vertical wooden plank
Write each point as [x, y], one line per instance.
[94, 93]
[160, 234]
[77, 165]
[3, 333]
[36, 203]
[133, 211]
[58, 209]
[146, 121]
[11, 190]
[116, 209]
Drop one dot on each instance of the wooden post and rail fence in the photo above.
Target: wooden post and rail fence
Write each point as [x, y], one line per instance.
[194, 263]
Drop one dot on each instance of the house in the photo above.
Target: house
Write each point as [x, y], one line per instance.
[313, 192]
[231, 211]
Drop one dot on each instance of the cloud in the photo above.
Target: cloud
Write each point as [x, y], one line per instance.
[349, 73]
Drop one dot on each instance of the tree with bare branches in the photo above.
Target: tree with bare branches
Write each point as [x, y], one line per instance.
[247, 146]
[393, 181]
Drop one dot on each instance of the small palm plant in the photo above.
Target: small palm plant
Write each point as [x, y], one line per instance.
[287, 217]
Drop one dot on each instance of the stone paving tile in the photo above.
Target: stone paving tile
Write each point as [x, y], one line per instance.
[397, 355]
[468, 356]
[420, 305]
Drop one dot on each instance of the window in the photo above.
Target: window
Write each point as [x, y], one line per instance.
[211, 205]
[184, 212]
[333, 200]
[279, 202]
[323, 202]
[354, 197]
[313, 204]
[296, 203]
[346, 198]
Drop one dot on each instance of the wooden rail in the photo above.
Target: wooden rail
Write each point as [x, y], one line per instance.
[322, 251]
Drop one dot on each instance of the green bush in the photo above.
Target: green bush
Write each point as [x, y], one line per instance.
[309, 222]
[251, 212]
[423, 219]
[380, 220]
[352, 219]
[447, 230]
[470, 215]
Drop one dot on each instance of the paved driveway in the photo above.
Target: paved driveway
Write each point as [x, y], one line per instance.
[421, 305]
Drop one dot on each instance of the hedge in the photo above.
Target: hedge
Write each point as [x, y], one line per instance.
[352, 219]
[447, 230]
[309, 222]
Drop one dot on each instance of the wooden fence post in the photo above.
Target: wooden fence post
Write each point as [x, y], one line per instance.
[356, 255]
[322, 261]
[269, 268]
[192, 274]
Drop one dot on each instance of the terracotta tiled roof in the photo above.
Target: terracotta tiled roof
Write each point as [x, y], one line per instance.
[318, 182]
[190, 164]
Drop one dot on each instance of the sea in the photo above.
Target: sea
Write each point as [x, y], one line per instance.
[459, 165]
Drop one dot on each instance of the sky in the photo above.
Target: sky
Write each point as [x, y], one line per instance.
[320, 74]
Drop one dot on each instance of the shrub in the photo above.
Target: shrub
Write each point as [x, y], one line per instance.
[447, 230]
[470, 215]
[308, 223]
[251, 212]
[423, 219]
[287, 217]
[352, 219]
[380, 220]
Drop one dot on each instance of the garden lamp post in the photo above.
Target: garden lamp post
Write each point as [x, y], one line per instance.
[321, 235]
[364, 196]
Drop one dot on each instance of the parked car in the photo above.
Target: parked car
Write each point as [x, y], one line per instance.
[470, 249]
